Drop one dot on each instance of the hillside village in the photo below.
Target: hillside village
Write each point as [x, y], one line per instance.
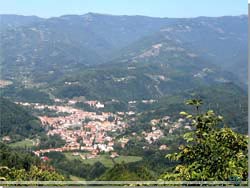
[90, 132]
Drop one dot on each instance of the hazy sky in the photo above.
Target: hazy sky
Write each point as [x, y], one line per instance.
[155, 8]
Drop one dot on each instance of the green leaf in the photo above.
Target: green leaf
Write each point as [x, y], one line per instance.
[184, 113]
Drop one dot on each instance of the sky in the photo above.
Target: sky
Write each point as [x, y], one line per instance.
[154, 8]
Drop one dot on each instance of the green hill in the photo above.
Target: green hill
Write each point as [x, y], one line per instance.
[16, 122]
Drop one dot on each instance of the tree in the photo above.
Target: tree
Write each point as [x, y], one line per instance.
[111, 118]
[210, 153]
[34, 174]
[22, 166]
[195, 102]
[125, 172]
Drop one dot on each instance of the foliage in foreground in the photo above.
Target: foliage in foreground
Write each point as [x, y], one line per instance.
[211, 153]
[124, 172]
[34, 174]
[23, 166]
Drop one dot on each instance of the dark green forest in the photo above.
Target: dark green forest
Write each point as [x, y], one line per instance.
[19, 165]
[16, 122]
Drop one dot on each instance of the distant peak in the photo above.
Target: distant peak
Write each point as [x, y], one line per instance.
[98, 14]
[93, 14]
[89, 14]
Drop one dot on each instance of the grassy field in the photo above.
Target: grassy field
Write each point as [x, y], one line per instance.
[71, 157]
[22, 144]
[127, 159]
[75, 178]
[105, 159]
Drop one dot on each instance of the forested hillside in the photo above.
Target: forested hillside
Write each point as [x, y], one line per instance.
[23, 166]
[16, 122]
[98, 97]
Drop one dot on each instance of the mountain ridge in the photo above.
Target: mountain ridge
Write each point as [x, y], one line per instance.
[101, 49]
[107, 14]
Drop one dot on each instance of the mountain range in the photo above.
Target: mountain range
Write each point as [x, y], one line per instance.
[92, 38]
[123, 57]
[139, 69]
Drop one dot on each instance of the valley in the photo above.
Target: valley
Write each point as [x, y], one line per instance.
[98, 97]
[93, 133]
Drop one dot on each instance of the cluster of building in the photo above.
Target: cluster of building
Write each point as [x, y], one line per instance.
[151, 137]
[157, 132]
[81, 130]
[4, 83]
[90, 132]
[165, 121]
[95, 104]
[180, 123]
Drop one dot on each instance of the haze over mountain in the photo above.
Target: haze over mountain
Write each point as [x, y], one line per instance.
[121, 57]
[73, 40]
[110, 89]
